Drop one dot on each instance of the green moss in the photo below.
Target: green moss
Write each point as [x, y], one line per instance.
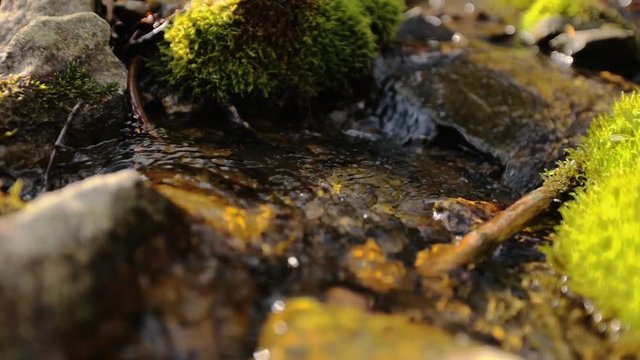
[276, 49]
[577, 10]
[23, 99]
[598, 242]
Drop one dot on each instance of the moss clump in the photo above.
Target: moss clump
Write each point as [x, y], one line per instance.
[598, 242]
[577, 10]
[276, 49]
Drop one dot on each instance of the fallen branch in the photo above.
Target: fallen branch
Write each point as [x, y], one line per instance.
[442, 258]
[58, 143]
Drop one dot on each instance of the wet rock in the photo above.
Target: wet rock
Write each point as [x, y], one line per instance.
[506, 103]
[246, 228]
[307, 329]
[345, 297]
[420, 28]
[69, 262]
[459, 216]
[371, 267]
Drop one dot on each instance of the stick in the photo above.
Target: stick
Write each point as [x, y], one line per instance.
[58, 143]
[134, 93]
[153, 34]
[442, 258]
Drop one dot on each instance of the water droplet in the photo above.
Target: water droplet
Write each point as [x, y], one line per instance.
[263, 354]
[433, 20]
[277, 306]
[624, 3]
[589, 308]
[469, 8]
[597, 317]
[563, 59]
[280, 327]
[510, 30]
[293, 262]
[615, 325]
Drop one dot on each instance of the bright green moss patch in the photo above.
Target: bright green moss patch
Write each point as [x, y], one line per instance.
[275, 49]
[580, 10]
[598, 242]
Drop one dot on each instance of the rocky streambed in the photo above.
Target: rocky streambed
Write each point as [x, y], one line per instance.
[302, 239]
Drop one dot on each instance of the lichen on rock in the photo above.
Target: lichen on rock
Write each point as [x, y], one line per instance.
[275, 49]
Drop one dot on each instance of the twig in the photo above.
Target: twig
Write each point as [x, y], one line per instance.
[58, 142]
[151, 35]
[442, 258]
[136, 101]
[234, 117]
[134, 93]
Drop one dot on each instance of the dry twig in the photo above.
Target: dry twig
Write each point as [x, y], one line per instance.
[443, 258]
[58, 142]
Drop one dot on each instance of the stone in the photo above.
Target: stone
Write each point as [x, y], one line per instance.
[16, 14]
[69, 260]
[509, 104]
[308, 329]
[59, 52]
[48, 44]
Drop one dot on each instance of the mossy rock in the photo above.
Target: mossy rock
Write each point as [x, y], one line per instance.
[280, 50]
[598, 242]
[33, 112]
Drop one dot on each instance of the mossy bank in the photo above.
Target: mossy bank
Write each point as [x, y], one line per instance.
[33, 112]
[281, 50]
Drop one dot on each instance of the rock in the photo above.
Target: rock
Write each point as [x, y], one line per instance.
[47, 65]
[460, 216]
[306, 329]
[419, 27]
[47, 45]
[69, 262]
[506, 103]
[16, 14]
[373, 270]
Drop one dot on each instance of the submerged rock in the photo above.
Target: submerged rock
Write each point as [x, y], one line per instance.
[302, 328]
[69, 261]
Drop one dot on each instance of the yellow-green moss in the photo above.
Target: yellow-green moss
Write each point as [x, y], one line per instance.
[277, 49]
[22, 99]
[542, 9]
[598, 242]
